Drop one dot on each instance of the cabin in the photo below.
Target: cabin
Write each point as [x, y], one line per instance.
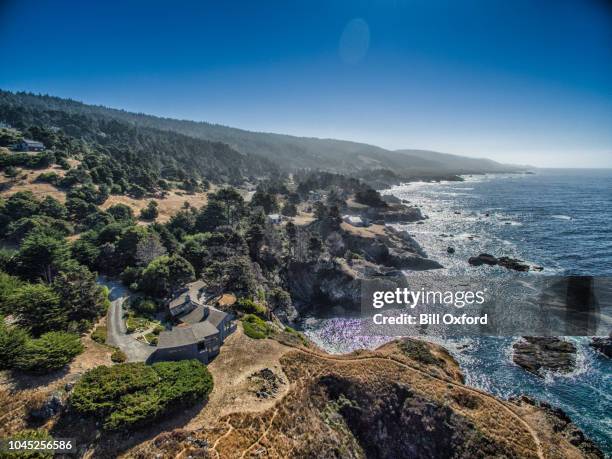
[275, 219]
[200, 331]
[29, 145]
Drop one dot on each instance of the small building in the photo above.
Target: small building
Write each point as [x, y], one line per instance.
[29, 145]
[316, 195]
[275, 219]
[201, 330]
[354, 220]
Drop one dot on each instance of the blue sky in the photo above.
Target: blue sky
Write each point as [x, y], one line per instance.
[519, 81]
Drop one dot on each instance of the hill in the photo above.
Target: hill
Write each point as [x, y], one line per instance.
[288, 152]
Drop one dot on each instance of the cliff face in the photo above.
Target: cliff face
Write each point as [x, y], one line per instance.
[382, 404]
[337, 282]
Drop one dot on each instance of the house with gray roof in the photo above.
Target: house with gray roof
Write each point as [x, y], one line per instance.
[29, 145]
[201, 328]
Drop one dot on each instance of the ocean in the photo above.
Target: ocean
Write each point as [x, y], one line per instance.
[558, 219]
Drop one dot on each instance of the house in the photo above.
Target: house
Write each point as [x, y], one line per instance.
[316, 195]
[275, 219]
[201, 329]
[354, 220]
[28, 145]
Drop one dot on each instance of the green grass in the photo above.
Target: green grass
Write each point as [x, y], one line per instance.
[136, 323]
[151, 338]
[99, 334]
[118, 356]
[256, 328]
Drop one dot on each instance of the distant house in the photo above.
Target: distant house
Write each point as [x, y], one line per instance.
[354, 220]
[275, 219]
[316, 195]
[28, 145]
[201, 331]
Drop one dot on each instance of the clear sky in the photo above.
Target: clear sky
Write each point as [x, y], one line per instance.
[517, 81]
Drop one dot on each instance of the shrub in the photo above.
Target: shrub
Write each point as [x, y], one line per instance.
[48, 177]
[99, 334]
[12, 340]
[50, 352]
[150, 212]
[151, 338]
[419, 351]
[130, 395]
[11, 171]
[145, 306]
[248, 306]
[118, 356]
[255, 328]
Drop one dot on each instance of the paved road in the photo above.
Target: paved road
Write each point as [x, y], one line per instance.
[116, 330]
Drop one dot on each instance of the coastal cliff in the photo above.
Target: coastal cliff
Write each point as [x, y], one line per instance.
[396, 402]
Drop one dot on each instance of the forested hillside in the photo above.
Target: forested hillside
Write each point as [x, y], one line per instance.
[125, 151]
[288, 152]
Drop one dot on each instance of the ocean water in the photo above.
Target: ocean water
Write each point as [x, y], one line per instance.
[558, 219]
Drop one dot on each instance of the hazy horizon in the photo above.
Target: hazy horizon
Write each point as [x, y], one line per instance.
[522, 84]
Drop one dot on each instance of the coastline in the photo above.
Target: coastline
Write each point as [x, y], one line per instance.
[487, 362]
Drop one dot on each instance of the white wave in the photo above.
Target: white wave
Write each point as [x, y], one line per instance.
[561, 217]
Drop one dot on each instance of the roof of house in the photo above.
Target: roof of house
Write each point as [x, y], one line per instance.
[203, 330]
[200, 323]
[33, 143]
[352, 219]
[189, 293]
[215, 316]
[176, 337]
[196, 315]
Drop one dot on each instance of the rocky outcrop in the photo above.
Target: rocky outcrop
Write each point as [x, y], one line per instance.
[333, 283]
[393, 249]
[393, 213]
[603, 345]
[561, 423]
[539, 354]
[323, 283]
[506, 262]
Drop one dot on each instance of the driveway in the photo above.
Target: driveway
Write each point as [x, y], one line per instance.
[116, 330]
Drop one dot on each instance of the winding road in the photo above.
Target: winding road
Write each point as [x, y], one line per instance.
[116, 330]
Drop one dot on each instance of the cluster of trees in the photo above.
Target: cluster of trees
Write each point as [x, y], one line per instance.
[124, 157]
[131, 395]
[47, 318]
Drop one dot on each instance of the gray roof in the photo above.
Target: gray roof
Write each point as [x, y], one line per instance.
[215, 316]
[178, 336]
[203, 330]
[191, 292]
[200, 323]
[33, 143]
[196, 315]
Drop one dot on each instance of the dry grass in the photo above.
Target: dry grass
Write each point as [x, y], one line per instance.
[167, 206]
[295, 424]
[369, 232]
